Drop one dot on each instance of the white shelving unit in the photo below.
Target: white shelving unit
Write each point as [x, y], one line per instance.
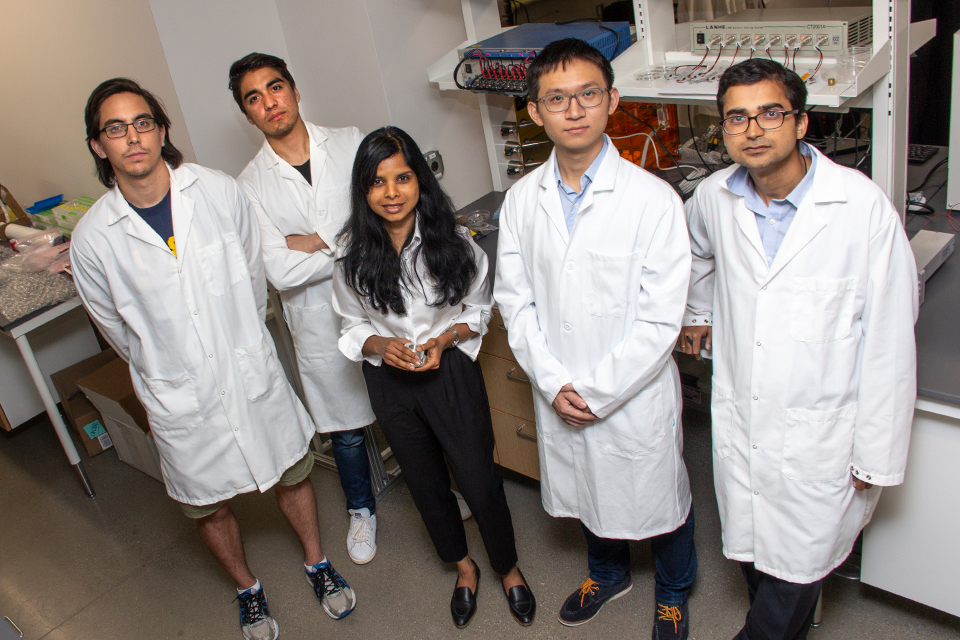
[882, 85]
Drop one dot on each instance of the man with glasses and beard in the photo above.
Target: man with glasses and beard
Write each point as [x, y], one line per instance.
[805, 287]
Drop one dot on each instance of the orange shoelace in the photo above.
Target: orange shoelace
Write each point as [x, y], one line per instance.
[670, 614]
[588, 588]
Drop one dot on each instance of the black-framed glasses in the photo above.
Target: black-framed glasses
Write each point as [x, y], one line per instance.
[119, 129]
[773, 119]
[586, 98]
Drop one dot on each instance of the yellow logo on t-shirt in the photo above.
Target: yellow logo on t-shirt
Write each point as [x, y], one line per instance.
[172, 243]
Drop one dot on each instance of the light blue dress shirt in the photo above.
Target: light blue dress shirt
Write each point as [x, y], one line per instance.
[774, 219]
[571, 199]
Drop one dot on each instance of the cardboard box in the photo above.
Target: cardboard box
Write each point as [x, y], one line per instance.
[110, 390]
[81, 415]
[20, 216]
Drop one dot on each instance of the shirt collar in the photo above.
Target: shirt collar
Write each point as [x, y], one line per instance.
[740, 183]
[588, 176]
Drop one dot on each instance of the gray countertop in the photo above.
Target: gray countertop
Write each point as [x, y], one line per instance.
[938, 345]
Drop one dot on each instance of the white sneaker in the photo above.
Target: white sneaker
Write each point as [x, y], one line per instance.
[465, 513]
[255, 620]
[362, 537]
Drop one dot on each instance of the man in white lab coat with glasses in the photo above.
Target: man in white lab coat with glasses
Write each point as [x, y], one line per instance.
[805, 286]
[168, 265]
[592, 270]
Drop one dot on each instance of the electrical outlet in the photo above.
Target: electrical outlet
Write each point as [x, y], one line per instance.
[435, 162]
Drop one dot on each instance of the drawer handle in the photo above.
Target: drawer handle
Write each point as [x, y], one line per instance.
[501, 327]
[517, 378]
[521, 434]
[12, 624]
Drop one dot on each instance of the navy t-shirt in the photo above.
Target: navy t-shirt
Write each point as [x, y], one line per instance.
[160, 217]
[304, 170]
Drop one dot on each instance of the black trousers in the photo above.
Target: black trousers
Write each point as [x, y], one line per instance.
[437, 418]
[779, 610]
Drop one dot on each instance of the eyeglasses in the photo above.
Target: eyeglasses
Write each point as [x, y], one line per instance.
[119, 129]
[735, 125]
[586, 98]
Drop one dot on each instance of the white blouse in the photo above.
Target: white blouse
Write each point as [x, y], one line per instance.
[360, 321]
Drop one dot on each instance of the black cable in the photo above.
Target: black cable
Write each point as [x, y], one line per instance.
[694, 137]
[663, 146]
[929, 175]
[456, 69]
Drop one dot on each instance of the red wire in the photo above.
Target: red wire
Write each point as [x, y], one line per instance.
[795, 60]
[699, 64]
[954, 223]
[719, 53]
[786, 56]
[734, 59]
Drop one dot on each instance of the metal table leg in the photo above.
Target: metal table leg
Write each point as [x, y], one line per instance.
[54, 414]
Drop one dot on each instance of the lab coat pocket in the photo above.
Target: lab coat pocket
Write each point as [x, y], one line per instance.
[171, 405]
[223, 263]
[822, 308]
[622, 435]
[606, 282]
[259, 370]
[722, 407]
[818, 445]
[315, 331]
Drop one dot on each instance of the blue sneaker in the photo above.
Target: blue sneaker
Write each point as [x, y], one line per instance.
[255, 620]
[586, 602]
[337, 597]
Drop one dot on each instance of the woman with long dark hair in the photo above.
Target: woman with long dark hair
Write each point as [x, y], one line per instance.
[412, 291]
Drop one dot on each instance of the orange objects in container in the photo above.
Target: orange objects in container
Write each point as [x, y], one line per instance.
[663, 117]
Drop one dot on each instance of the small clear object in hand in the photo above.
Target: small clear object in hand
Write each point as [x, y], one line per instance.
[421, 355]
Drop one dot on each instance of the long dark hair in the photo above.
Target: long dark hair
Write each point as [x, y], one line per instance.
[371, 264]
[91, 116]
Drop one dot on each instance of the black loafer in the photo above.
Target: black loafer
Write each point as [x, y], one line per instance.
[523, 605]
[464, 602]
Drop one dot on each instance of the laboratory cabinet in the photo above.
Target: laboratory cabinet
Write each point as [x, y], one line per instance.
[511, 403]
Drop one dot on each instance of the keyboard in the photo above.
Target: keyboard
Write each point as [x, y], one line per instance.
[920, 153]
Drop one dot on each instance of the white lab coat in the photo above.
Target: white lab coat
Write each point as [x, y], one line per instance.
[224, 417]
[814, 366]
[601, 308]
[286, 204]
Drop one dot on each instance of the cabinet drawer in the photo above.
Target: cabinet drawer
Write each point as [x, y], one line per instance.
[495, 342]
[507, 386]
[516, 444]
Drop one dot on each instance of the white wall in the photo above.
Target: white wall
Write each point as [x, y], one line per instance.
[53, 53]
[201, 40]
[362, 63]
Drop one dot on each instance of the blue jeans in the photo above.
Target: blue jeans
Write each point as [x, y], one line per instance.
[674, 556]
[353, 467]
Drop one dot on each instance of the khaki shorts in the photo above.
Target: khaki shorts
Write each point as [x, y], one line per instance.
[294, 475]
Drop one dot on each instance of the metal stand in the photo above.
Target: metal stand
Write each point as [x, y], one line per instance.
[20, 336]
[818, 613]
[381, 479]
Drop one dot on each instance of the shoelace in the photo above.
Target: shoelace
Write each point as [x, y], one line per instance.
[361, 528]
[253, 607]
[588, 588]
[327, 581]
[669, 614]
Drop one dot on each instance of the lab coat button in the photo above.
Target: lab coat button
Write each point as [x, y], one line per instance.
[756, 493]
[758, 344]
[569, 266]
[566, 326]
[764, 288]
[209, 355]
[236, 429]
[755, 398]
[223, 393]
[754, 446]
